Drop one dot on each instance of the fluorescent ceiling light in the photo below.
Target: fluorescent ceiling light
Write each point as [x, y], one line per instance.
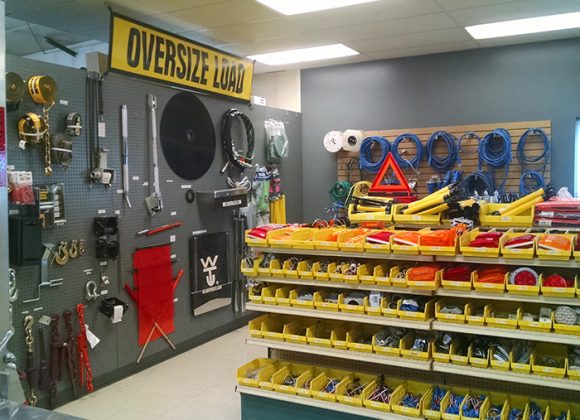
[525, 26]
[295, 7]
[304, 54]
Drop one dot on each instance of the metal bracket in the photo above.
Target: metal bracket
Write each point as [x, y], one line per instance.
[101, 173]
[44, 282]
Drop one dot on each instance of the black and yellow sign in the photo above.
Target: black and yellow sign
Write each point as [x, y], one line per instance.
[138, 49]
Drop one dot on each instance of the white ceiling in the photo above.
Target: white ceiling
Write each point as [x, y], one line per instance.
[382, 29]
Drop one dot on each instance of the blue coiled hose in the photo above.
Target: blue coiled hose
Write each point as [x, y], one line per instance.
[479, 181]
[496, 154]
[537, 174]
[445, 163]
[366, 162]
[408, 163]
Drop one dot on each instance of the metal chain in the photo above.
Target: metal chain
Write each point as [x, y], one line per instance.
[47, 145]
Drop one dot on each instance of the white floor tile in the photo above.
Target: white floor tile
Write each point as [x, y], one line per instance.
[198, 384]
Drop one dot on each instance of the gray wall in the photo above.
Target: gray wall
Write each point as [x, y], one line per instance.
[116, 353]
[517, 83]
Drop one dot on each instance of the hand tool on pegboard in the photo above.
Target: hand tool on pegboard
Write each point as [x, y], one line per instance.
[153, 231]
[83, 352]
[55, 358]
[125, 137]
[31, 373]
[69, 346]
[153, 201]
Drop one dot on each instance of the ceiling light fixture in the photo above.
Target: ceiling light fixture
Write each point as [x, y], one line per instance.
[295, 7]
[304, 54]
[525, 26]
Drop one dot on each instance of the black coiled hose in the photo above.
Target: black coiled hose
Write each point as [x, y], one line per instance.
[231, 155]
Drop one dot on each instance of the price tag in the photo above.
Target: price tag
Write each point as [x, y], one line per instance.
[102, 211]
[135, 178]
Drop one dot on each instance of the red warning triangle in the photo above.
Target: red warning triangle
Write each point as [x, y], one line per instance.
[402, 186]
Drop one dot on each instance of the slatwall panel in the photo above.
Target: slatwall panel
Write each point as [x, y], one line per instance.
[468, 154]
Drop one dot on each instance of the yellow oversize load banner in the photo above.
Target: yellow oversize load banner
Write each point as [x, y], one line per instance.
[138, 49]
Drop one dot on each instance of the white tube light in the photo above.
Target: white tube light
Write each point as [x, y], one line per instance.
[304, 54]
[525, 26]
[295, 7]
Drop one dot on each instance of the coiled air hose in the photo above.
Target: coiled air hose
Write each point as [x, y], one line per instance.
[408, 163]
[366, 162]
[231, 154]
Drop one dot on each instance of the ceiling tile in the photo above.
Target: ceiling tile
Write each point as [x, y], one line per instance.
[150, 7]
[513, 10]
[524, 39]
[431, 49]
[69, 16]
[396, 27]
[411, 41]
[226, 13]
[266, 29]
[17, 7]
[384, 10]
[466, 4]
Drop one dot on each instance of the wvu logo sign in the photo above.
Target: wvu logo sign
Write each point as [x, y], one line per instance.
[209, 266]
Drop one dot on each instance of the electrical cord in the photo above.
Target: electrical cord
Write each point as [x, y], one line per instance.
[366, 162]
[407, 163]
[478, 181]
[339, 192]
[442, 164]
[536, 175]
[496, 154]
[231, 155]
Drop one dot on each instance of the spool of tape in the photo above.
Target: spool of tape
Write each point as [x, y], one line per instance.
[351, 140]
[333, 141]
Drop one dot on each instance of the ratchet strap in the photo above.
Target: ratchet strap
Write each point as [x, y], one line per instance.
[31, 128]
[42, 89]
[61, 148]
[83, 352]
[15, 90]
[74, 124]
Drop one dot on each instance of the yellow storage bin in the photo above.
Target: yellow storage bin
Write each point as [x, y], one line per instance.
[301, 303]
[249, 374]
[479, 362]
[470, 251]
[276, 268]
[558, 255]
[541, 404]
[408, 352]
[440, 357]
[387, 351]
[320, 333]
[320, 302]
[567, 329]
[273, 329]
[404, 249]
[557, 409]
[520, 367]
[417, 388]
[483, 409]
[414, 219]
[425, 284]
[456, 358]
[361, 338]
[398, 276]
[379, 248]
[264, 322]
[517, 253]
[370, 389]
[366, 273]
[302, 238]
[350, 234]
[265, 375]
[338, 336]
[257, 242]
[524, 290]
[280, 238]
[318, 385]
[488, 218]
[357, 381]
[445, 402]
[574, 411]
[459, 285]
[564, 292]
[295, 331]
[318, 272]
[250, 271]
[475, 314]
[345, 306]
[267, 295]
[305, 380]
[273, 265]
[305, 270]
[255, 294]
[499, 400]
[448, 317]
[425, 315]
[534, 324]
[554, 352]
[500, 364]
[493, 312]
[390, 305]
[375, 310]
[326, 238]
[346, 276]
[283, 296]
[381, 275]
[430, 413]
[517, 402]
[488, 287]
[290, 268]
[335, 272]
[449, 251]
[290, 374]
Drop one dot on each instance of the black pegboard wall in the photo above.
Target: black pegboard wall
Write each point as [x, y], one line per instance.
[83, 201]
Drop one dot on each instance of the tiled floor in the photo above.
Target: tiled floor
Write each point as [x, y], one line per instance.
[198, 384]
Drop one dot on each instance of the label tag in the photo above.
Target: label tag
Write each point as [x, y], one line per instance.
[117, 212]
[185, 187]
[172, 238]
[91, 338]
[174, 213]
[117, 314]
[135, 178]
[102, 129]
[63, 102]
[169, 181]
[102, 211]
[120, 191]
[44, 320]
[146, 184]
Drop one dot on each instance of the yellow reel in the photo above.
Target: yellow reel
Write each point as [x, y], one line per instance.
[31, 128]
[42, 89]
